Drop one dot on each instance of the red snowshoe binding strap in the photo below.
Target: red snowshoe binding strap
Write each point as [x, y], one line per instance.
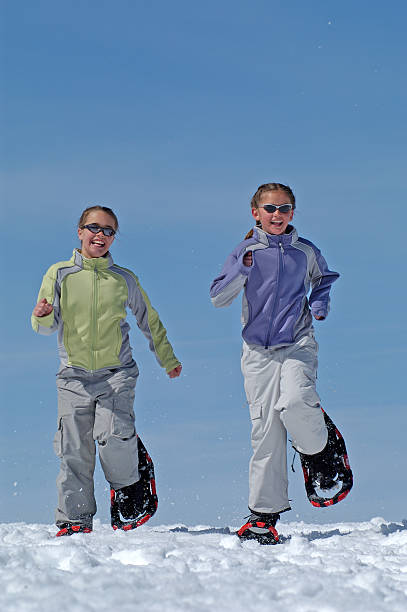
[68, 529]
[266, 534]
[328, 469]
[147, 501]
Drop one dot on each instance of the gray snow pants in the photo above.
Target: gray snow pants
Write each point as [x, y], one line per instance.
[280, 390]
[94, 407]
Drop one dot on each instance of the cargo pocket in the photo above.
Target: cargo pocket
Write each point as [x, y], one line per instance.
[256, 414]
[123, 416]
[58, 440]
[255, 410]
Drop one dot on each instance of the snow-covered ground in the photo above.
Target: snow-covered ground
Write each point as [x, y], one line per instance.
[343, 566]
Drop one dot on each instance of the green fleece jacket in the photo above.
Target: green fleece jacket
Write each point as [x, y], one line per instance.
[89, 299]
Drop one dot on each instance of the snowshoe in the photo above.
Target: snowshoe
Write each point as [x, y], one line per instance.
[68, 529]
[328, 470]
[260, 527]
[135, 504]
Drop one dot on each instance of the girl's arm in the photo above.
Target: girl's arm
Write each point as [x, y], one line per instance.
[45, 316]
[232, 279]
[321, 281]
[150, 324]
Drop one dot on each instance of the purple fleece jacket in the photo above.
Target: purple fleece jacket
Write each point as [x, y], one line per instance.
[276, 309]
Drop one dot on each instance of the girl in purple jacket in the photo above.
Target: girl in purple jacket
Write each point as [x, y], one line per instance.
[276, 270]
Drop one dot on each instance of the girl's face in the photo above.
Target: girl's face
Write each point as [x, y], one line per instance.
[276, 222]
[96, 245]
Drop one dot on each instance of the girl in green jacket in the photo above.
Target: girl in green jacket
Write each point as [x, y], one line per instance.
[85, 301]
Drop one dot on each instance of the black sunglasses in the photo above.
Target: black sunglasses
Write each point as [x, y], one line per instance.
[283, 208]
[95, 229]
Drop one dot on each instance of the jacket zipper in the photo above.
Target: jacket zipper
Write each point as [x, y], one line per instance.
[280, 258]
[94, 319]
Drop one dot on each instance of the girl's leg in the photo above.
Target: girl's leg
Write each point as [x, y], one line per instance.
[115, 428]
[299, 404]
[75, 446]
[268, 466]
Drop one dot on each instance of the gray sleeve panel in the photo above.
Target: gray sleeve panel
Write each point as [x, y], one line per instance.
[312, 266]
[46, 331]
[57, 322]
[230, 292]
[256, 247]
[314, 273]
[61, 275]
[62, 352]
[318, 276]
[238, 280]
[245, 310]
[63, 272]
[137, 305]
[135, 300]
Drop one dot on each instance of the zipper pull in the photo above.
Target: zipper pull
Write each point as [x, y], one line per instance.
[280, 244]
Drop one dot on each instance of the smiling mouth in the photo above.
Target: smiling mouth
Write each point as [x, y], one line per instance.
[97, 243]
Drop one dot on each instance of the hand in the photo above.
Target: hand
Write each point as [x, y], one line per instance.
[42, 309]
[248, 259]
[175, 372]
[319, 318]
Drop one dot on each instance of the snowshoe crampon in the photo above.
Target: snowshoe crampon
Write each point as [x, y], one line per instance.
[328, 470]
[260, 528]
[125, 514]
[68, 529]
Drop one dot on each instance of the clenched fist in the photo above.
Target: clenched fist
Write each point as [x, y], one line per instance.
[42, 309]
[175, 372]
[248, 259]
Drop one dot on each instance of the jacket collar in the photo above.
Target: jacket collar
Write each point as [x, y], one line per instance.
[272, 240]
[96, 263]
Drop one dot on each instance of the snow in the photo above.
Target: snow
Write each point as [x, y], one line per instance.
[331, 567]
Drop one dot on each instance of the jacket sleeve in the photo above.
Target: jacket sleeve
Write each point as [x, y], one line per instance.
[321, 282]
[149, 323]
[50, 291]
[231, 280]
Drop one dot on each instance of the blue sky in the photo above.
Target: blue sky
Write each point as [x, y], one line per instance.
[173, 114]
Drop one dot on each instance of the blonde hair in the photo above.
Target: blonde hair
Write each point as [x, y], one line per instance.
[254, 202]
[105, 209]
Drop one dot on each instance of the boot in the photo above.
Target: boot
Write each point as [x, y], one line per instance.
[260, 527]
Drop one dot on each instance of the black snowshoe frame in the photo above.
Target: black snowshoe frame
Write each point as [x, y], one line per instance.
[345, 475]
[150, 503]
